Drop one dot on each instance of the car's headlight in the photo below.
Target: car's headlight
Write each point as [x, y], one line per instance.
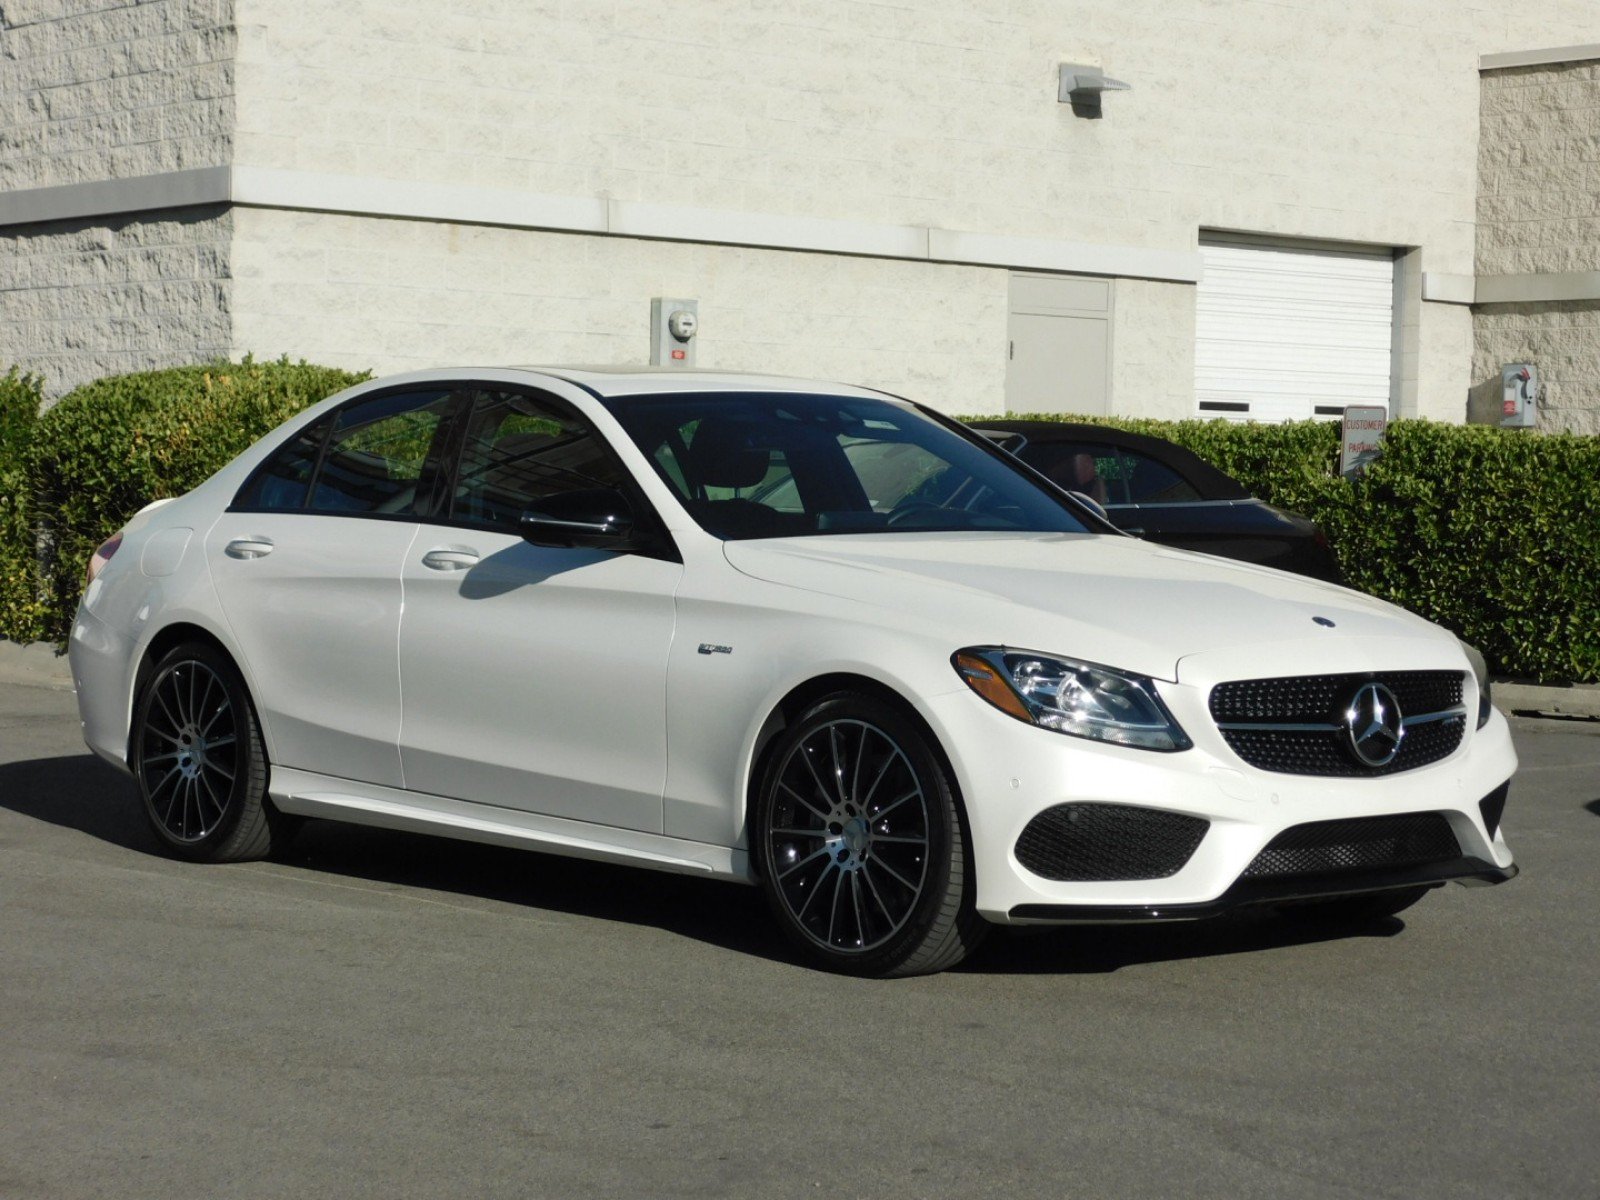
[1480, 669]
[1077, 698]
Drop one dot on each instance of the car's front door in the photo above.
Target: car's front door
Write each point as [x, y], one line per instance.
[306, 564]
[534, 677]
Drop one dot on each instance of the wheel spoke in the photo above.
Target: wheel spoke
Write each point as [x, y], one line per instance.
[205, 698]
[151, 727]
[211, 793]
[894, 804]
[162, 700]
[878, 778]
[833, 908]
[855, 902]
[164, 780]
[855, 775]
[878, 862]
[909, 841]
[822, 788]
[810, 833]
[793, 867]
[226, 740]
[816, 889]
[821, 815]
[155, 758]
[838, 767]
[213, 719]
[884, 908]
[220, 770]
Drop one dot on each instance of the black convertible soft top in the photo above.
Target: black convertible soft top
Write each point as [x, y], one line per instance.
[1211, 483]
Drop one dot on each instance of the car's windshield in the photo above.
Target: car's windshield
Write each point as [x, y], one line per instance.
[755, 465]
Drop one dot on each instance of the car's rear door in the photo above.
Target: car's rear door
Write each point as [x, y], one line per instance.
[306, 564]
[534, 677]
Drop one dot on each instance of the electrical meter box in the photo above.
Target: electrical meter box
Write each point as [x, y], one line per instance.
[673, 325]
[1519, 395]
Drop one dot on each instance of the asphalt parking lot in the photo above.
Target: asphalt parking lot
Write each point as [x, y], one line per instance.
[387, 1015]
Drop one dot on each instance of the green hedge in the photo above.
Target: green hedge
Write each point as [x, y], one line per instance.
[114, 445]
[1493, 533]
[21, 608]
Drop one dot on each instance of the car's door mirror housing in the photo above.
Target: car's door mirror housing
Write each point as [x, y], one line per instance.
[594, 517]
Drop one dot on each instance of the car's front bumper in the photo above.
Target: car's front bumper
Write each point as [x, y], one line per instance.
[1009, 773]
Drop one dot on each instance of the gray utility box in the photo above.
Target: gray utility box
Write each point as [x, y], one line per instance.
[673, 326]
[1519, 395]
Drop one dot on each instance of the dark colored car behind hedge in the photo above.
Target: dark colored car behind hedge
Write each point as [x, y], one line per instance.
[1159, 491]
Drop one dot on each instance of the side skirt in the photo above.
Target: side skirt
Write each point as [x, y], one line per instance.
[310, 795]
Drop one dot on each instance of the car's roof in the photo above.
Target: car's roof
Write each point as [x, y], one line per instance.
[1212, 483]
[609, 381]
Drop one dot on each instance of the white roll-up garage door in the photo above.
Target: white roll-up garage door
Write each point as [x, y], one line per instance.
[1284, 332]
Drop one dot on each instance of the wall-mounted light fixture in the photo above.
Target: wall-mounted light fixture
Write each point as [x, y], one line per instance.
[1082, 86]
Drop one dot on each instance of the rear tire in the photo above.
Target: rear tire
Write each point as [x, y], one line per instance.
[858, 838]
[199, 760]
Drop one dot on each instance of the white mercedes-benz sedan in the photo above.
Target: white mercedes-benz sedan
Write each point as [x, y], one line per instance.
[806, 636]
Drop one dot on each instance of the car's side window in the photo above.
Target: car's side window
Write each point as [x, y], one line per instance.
[283, 482]
[375, 457]
[522, 453]
[1150, 481]
[1092, 468]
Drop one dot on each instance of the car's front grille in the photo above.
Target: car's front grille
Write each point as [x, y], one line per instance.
[1297, 726]
[1102, 842]
[1362, 843]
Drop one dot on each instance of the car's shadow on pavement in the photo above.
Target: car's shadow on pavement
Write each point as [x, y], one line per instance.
[82, 793]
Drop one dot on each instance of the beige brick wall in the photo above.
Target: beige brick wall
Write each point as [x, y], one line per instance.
[84, 299]
[1561, 338]
[1539, 159]
[113, 89]
[1539, 213]
[1355, 121]
[1352, 122]
[1152, 350]
[398, 295]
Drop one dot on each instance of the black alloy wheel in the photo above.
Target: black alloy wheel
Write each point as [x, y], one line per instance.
[860, 845]
[199, 761]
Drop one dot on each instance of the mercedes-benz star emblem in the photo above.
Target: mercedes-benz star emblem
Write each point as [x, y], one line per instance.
[1373, 725]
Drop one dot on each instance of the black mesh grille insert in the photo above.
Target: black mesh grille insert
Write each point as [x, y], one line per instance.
[1308, 698]
[1319, 700]
[1088, 843]
[1405, 840]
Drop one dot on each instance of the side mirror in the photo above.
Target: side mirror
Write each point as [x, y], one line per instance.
[594, 517]
[1090, 503]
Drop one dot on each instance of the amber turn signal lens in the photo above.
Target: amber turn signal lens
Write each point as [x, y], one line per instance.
[982, 678]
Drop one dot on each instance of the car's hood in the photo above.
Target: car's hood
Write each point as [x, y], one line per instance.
[1111, 600]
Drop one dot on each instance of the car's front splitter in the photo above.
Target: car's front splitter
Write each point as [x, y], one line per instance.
[1284, 890]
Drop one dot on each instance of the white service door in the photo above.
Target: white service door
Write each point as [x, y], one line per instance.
[535, 677]
[1288, 333]
[313, 601]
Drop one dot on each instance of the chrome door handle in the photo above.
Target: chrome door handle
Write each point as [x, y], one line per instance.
[450, 560]
[248, 547]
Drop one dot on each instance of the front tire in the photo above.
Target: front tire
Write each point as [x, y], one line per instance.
[858, 839]
[199, 760]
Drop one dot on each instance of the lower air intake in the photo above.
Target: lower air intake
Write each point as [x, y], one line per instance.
[1408, 840]
[1099, 843]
